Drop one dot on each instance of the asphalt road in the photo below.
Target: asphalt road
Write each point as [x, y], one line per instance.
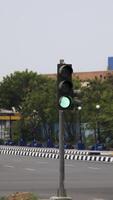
[83, 180]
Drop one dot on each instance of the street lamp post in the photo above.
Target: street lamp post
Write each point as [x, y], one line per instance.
[98, 124]
[80, 133]
[10, 127]
[35, 118]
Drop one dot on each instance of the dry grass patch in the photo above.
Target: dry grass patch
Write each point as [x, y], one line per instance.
[20, 196]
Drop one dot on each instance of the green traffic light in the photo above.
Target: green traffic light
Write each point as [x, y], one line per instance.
[64, 102]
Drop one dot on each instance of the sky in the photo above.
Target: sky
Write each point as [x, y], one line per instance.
[36, 34]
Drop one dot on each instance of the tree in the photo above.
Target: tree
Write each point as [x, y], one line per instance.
[28, 91]
[34, 96]
[42, 100]
[14, 88]
[99, 92]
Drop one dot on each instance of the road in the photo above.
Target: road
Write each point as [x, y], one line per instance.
[83, 180]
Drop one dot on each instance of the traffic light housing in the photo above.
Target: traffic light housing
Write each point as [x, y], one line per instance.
[64, 86]
[77, 98]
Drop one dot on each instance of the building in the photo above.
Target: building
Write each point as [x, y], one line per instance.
[110, 63]
[85, 76]
[6, 118]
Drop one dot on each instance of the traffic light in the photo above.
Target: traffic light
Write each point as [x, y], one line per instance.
[77, 98]
[64, 86]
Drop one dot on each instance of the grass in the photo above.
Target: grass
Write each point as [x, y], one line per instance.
[20, 196]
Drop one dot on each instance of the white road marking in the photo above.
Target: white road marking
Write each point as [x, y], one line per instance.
[30, 169]
[42, 162]
[10, 166]
[96, 169]
[98, 199]
[69, 165]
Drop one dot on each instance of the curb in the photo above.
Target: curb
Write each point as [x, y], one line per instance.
[35, 152]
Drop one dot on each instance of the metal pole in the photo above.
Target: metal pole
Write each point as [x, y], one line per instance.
[98, 132]
[61, 155]
[10, 131]
[80, 126]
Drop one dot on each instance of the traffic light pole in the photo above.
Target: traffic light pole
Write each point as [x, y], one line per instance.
[65, 101]
[61, 154]
[61, 190]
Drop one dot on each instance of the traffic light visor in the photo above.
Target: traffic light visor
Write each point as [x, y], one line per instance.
[64, 102]
[65, 86]
[66, 70]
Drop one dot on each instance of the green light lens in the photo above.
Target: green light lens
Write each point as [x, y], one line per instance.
[64, 102]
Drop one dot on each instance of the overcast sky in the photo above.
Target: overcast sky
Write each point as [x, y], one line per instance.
[36, 34]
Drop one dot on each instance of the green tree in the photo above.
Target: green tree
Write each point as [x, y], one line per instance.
[28, 91]
[99, 92]
[15, 87]
[42, 100]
